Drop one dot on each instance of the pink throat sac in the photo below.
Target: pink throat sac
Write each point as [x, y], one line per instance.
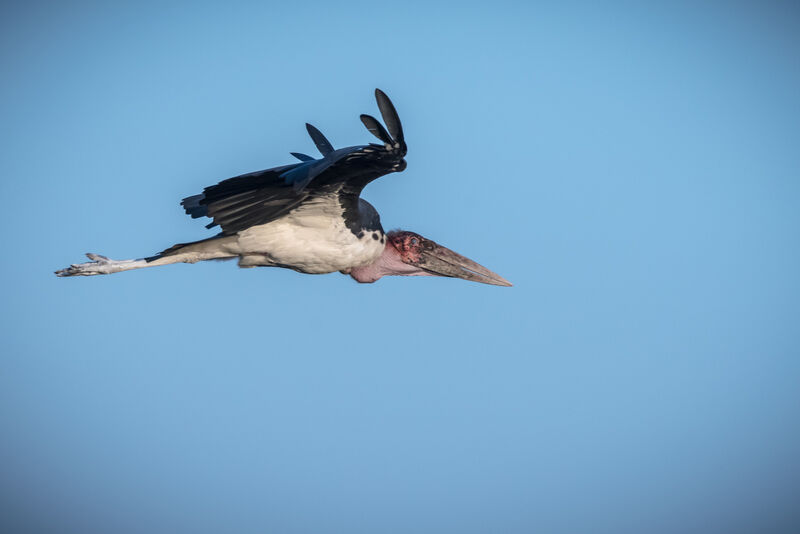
[390, 263]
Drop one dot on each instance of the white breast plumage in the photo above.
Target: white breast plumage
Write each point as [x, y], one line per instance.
[312, 239]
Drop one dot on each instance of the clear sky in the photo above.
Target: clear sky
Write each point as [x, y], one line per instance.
[633, 169]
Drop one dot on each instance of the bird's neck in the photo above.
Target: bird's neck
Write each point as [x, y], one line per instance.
[389, 263]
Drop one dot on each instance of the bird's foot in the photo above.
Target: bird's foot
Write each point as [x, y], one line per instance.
[98, 265]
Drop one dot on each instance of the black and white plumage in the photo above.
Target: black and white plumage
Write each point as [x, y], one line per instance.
[309, 217]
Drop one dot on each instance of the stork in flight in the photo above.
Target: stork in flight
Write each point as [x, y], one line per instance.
[309, 217]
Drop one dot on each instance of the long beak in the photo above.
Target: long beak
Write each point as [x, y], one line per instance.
[442, 261]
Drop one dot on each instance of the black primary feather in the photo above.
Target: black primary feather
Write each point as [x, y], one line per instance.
[390, 118]
[324, 146]
[301, 156]
[377, 129]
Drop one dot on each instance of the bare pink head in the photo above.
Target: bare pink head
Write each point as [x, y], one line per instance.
[410, 254]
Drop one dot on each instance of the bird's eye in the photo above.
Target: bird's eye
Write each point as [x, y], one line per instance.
[414, 241]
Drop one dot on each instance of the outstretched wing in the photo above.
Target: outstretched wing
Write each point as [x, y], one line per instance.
[263, 196]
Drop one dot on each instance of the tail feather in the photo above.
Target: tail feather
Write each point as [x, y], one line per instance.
[219, 246]
[193, 206]
[168, 251]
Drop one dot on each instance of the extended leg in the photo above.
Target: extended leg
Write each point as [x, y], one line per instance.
[101, 265]
[210, 249]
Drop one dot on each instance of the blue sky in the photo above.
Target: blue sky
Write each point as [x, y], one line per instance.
[633, 169]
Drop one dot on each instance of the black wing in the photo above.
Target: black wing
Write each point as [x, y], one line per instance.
[263, 196]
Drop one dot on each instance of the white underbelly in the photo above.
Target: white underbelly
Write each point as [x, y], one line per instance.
[311, 243]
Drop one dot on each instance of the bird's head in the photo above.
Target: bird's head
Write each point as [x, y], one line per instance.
[409, 254]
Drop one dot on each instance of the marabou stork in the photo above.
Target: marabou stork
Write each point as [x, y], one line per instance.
[309, 217]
